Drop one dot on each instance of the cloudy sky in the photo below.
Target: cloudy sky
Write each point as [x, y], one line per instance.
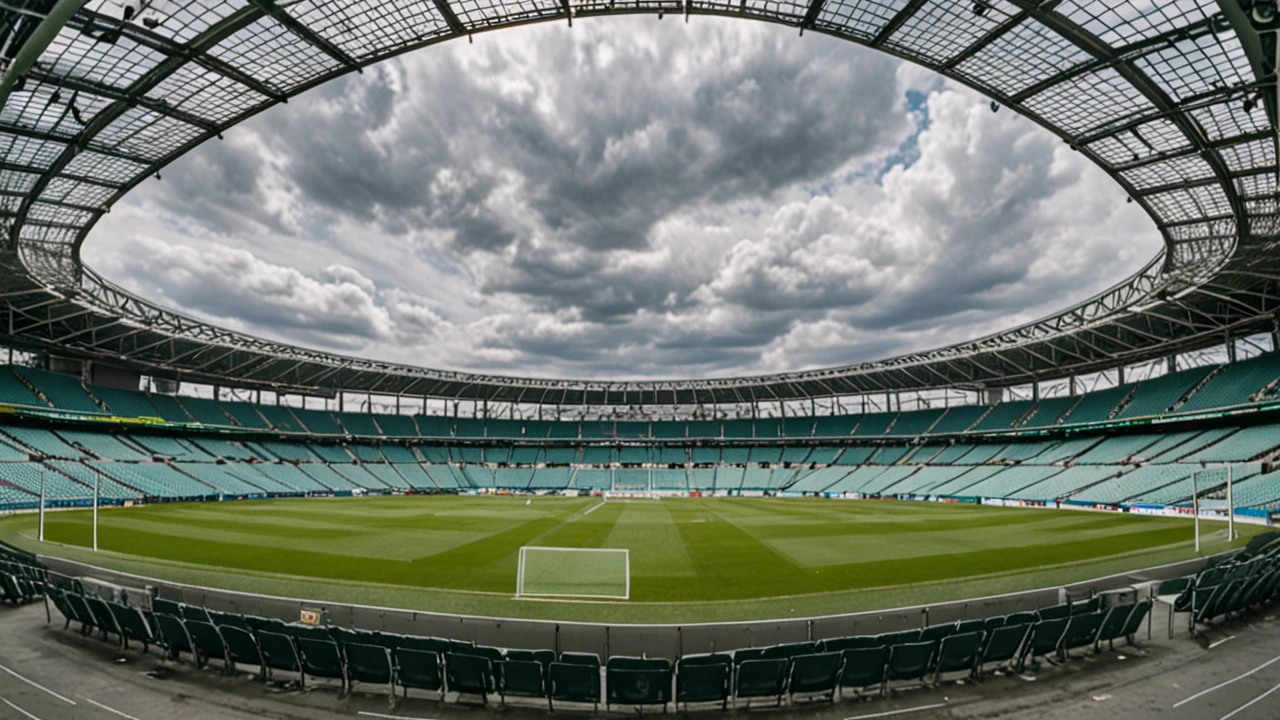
[628, 198]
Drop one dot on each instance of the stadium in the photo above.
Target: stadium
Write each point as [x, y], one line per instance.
[1085, 500]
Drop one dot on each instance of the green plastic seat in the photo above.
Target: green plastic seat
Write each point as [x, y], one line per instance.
[815, 675]
[160, 606]
[102, 617]
[761, 678]
[542, 657]
[59, 599]
[1020, 618]
[207, 643]
[1134, 622]
[910, 661]
[898, 638]
[851, 643]
[1082, 630]
[242, 647]
[523, 678]
[418, 669]
[637, 681]
[78, 604]
[469, 674]
[574, 682]
[959, 652]
[576, 658]
[937, 632]
[1054, 612]
[322, 659]
[173, 635]
[1004, 645]
[195, 612]
[864, 667]
[424, 644]
[280, 653]
[704, 679]
[1045, 639]
[132, 624]
[369, 664]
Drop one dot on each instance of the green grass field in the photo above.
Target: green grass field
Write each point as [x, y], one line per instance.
[690, 558]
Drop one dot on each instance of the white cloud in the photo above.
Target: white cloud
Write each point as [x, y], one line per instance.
[628, 199]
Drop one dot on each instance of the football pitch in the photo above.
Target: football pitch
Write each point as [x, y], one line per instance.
[690, 559]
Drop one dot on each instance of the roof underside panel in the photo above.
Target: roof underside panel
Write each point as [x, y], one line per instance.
[1150, 91]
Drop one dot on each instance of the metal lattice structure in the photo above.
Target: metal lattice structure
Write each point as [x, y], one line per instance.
[1162, 95]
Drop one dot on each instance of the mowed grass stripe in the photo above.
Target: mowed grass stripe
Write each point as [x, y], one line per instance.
[659, 554]
[730, 562]
[489, 564]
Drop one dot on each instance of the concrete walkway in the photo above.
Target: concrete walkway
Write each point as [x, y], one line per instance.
[1233, 672]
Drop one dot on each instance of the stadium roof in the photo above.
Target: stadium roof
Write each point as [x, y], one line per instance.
[1163, 96]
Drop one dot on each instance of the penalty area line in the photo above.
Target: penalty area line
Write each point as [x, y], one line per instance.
[897, 712]
[593, 508]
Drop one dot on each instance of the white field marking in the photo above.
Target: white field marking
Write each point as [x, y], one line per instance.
[38, 686]
[897, 712]
[91, 701]
[1242, 707]
[593, 508]
[1219, 642]
[15, 707]
[391, 717]
[1220, 685]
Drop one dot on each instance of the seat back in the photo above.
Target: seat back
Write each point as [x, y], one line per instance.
[1136, 617]
[960, 652]
[1082, 630]
[761, 678]
[522, 677]
[937, 632]
[321, 658]
[572, 658]
[646, 682]
[418, 669]
[1115, 621]
[815, 673]
[367, 663]
[194, 612]
[849, 643]
[574, 682]
[242, 647]
[1054, 612]
[173, 633]
[864, 666]
[1005, 643]
[909, 661]
[703, 678]
[467, 673]
[1046, 636]
[206, 639]
[278, 651]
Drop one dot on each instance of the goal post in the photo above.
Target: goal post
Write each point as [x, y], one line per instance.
[603, 573]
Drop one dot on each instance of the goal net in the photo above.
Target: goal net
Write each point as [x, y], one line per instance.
[574, 572]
